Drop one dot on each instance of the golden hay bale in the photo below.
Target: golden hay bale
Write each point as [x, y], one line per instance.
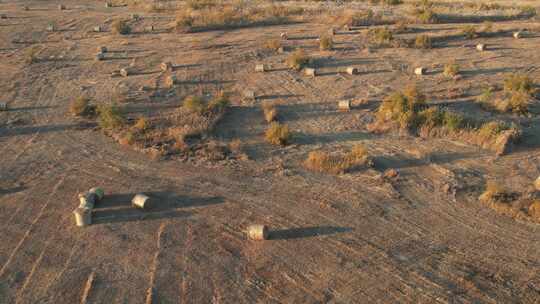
[83, 217]
[257, 232]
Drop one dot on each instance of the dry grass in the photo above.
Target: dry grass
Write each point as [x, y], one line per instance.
[110, 117]
[272, 44]
[270, 112]
[358, 18]
[380, 36]
[298, 59]
[81, 107]
[320, 161]
[516, 96]
[424, 13]
[121, 27]
[326, 42]
[423, 42]
[451, 70]
[278, 134]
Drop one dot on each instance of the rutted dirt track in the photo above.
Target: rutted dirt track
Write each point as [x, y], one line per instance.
[334, 239]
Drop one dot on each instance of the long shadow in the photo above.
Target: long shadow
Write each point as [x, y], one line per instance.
[331, 63]
[12, 190]
[306, 232]
[24, 109]
[277, 96]
[164, 204]
[34, 129]
[397, 162]
[331, 137]
[486, 71]
[447, 18]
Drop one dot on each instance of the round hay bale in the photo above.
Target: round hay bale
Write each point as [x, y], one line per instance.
[61, 7]
[257, 232]
[260, 68]
[51, 28]
[420, 71]
[149, 28]
[3, 106]
[141, 201]
[87, 200]
[518, 35]
[108, 4]
[83, 217]
[352, 70]
[344, 105]
[284, 36]
[310, 72]
[537, 184]
[125, 72]
[481, 47]
[249, 94]
[97, 29]
[99, 193]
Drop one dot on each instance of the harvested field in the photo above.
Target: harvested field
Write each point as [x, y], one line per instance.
[341, 228]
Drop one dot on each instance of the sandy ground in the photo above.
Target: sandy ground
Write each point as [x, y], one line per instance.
[353, 238]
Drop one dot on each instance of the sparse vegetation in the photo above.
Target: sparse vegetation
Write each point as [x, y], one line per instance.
[336, 164]
[469, 32]
[298, 60]
[516, 96]
[121, 27]
[110, 117]
[423, 42]
[451, 70]
[326, 42]
[273, 44]
[381, 36]
[278, 134]
[81, 107]
[424, 13]
[270, 112]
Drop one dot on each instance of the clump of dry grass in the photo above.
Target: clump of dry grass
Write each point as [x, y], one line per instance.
[470, 32]
[110, 117]
[141, 124]
[272, 44]
[358, 18]
[519, 83]
[423, 42]
[121, 27]
[31, 54]
[81, 107]
[320, 161]
[451, 70]
[270, 112]
[424, 13]
[278, 134]
[298, 59]
[401, 108]
[381, 36]
[200, 106]
[326, 42]
[516, 96]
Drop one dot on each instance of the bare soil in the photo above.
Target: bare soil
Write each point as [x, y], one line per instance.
[422, 237]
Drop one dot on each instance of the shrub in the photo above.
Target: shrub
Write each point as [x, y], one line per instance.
[278, 134]
[30, 54]
[451, 70]
[453, 121]
[320, 161]
[121, 27]
[270, 112]
[326, 43]
[194, 104]
[469, 32]
[298, 60]
[492, 129]
[422, 42]
[424, 13]
[110, 117]
[519, 83]
[401, 108]
[381, 35]
[81, 107]
[184, 20]
[219, 102]
[141, 124]
[519, 102]
[534, 210]
[273, 44]
[494, 191]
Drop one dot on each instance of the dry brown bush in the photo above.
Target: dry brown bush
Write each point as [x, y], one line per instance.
[320, 161]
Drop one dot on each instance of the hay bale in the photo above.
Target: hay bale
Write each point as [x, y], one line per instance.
[83, 217]
[344, 105]
[166, 66]
[125, 72]
[108, 4]
[481, 47]
[257, 232]
[97, 29]
[420, 71]
[149, 28]
[87, 200]
[310, 72]
[537, 184]
[98, 192]
[141, 201]
[284, 36]
[518, 35]
[51, 27]
[249, 94]
[352, 70]
[170, 81]
[61, 7]
[3, 106]
[261, 68]
[346, 28]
